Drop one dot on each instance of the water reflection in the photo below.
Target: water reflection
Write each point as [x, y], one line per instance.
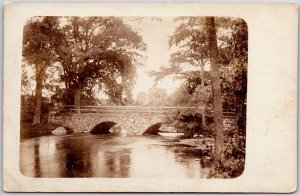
[37, 162]
[116, 163]
[105, 156]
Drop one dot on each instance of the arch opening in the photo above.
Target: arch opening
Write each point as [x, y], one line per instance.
[103, 128]
[153, 129]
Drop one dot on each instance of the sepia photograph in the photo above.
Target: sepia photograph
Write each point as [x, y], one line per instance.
[158, 97]
[126, 97]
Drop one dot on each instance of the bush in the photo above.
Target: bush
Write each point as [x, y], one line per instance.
[233, 159]
[189, 122]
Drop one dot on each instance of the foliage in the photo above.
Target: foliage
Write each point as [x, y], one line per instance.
[181, 97]
[222, 43]
[191, 44]
[52, 84]
[234, 59]
[81, 52]
[101, 51]
[189, 121]
[142, 99]
[157, 96]
[38, 52]
[39, 41]
[27, 80]
[233, 159]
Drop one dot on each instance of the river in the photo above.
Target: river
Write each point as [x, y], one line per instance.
[106, 156]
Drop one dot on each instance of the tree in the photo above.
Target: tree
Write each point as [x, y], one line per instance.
[186, 121]
[142, 99]
[191, 44]
[190, 40]
[157, 96]
[38, 44]
[222, 43]
[191, 95]
[101, 51]
[234, 60]
[27, 87]
[216, 86]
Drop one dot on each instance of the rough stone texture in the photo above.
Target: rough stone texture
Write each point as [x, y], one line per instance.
[134, 123]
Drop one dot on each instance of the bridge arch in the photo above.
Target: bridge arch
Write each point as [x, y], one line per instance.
[103, 127]
[153, 129]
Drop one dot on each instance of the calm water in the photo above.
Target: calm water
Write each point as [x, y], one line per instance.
[105, 156]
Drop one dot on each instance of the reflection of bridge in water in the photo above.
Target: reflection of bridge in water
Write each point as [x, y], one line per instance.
[134, 119]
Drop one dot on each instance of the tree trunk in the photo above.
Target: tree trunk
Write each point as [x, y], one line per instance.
[38, 98]
[216, 87]
[77, 97]
[202, 87]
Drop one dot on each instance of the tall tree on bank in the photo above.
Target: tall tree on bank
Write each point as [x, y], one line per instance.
[193, 51]
[216, 86]
[101, 51]
[191, 42]
[38, 44]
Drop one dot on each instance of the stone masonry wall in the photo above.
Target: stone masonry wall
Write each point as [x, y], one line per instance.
[134, 123]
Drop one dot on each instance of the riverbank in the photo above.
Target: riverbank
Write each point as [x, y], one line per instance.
[196, 147]
[233, 160]
[31, 131]
[27, 130]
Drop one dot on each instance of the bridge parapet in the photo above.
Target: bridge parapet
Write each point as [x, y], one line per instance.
[120, 109]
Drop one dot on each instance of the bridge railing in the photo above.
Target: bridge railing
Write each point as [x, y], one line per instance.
[128, 109]
[117, 109]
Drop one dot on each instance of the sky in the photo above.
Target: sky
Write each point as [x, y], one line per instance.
[155, 34]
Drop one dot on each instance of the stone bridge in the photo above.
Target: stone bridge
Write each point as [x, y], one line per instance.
[134, 119]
